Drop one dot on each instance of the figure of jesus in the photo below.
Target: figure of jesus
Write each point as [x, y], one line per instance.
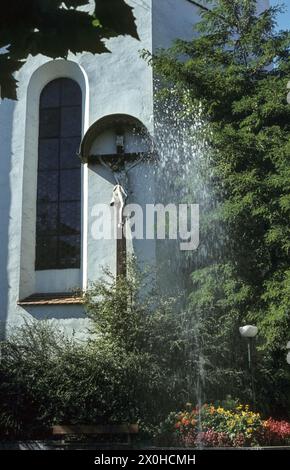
[119, 201]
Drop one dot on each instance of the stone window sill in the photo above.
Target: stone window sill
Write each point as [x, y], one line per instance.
[52, 299]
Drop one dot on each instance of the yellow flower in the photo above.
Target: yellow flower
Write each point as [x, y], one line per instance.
[231, 424]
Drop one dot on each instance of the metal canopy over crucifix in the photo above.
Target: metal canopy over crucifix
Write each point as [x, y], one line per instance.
[122, 143]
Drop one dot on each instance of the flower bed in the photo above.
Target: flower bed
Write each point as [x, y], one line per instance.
[215, 426]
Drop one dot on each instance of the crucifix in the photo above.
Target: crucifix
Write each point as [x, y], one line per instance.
[118, 166]
[119, 201]
[119, 163]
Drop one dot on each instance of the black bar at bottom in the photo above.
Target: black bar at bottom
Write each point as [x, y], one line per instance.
[147, 457]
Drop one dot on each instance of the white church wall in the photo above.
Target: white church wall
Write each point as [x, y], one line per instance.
[117, 82]
[7, 230]
[165, 26]
[11, 161]
[120, 82]
[142, 192]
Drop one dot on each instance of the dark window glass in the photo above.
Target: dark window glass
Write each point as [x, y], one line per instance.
[47, 219]
[69, 251]
[46, 252]
[70, 121]
[70, 185]
[47, 186]
[58, 223]
[48, 154]
[69, 218]
[49, 122]
[69, 147]
[70, 94]
[50, 96]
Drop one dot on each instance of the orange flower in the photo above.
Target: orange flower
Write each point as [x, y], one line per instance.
[177, 425]
[193, 422]
[185, 421]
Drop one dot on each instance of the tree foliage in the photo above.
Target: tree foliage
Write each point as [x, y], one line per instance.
[236, 69]
[55, 27]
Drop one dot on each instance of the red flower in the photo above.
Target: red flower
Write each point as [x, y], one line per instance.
[276, 432]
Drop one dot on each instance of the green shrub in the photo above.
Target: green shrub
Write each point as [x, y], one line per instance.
[130, 315]
[127, 371]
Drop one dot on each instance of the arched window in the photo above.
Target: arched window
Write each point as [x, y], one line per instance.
[58, 226]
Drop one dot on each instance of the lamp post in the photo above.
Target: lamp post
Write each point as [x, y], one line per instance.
[250, 332]
[288, 354]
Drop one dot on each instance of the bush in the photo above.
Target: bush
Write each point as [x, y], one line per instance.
[48, 379]
[130, 314]
[127, 371]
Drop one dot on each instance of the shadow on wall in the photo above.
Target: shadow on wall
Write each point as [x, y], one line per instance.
[6, 121]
